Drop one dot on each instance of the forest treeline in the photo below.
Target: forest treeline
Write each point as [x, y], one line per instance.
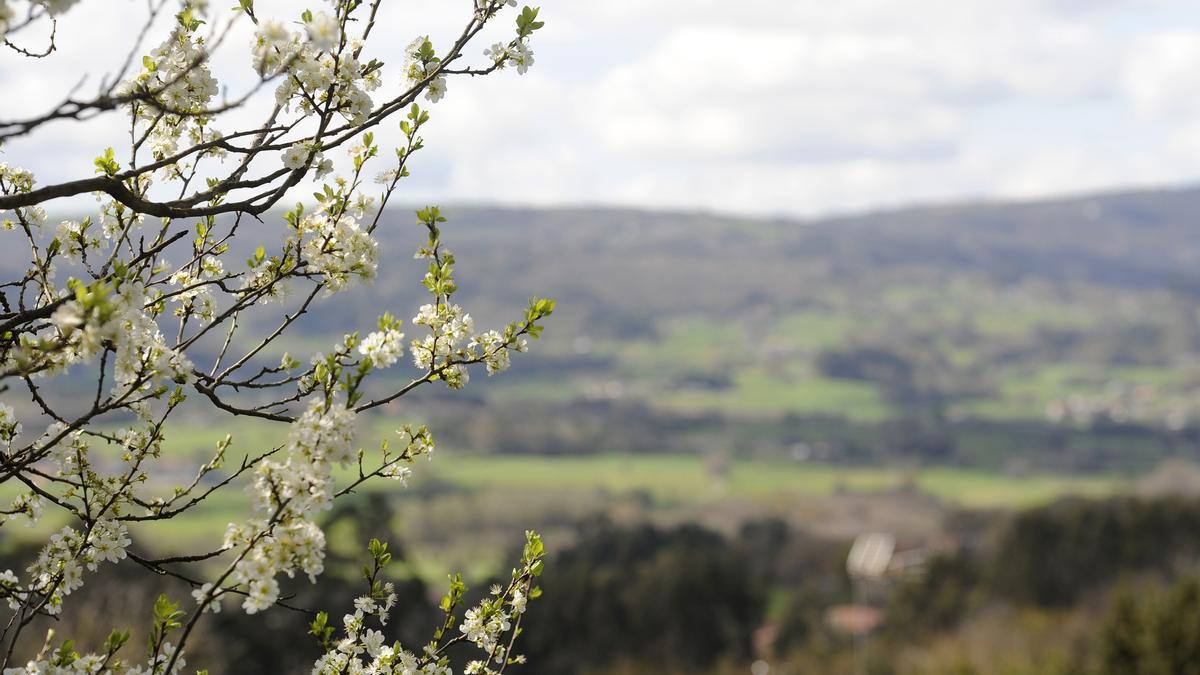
[1117, 577]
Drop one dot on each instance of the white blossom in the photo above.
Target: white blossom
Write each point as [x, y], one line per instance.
[383, 347]
[521, 56]
[323, 31]
[436, 89]
[10, 426]
[497, 53]
[297, 155]
[213, 603]
[274, 45]
[338, 248]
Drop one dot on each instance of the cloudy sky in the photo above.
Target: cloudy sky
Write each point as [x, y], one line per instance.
[791, 107]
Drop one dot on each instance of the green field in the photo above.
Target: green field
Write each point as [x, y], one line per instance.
[671, 479]
[467, 481]
[761, 393]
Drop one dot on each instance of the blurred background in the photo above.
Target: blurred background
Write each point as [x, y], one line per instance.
[877, 346]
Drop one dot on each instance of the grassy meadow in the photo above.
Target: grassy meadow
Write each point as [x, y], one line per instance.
[459, 497]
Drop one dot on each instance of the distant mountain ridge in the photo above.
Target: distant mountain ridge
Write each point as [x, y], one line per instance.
[1140, 239]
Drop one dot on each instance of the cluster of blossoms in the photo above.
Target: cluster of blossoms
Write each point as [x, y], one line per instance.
[68, 662]
[320, 72]
[90, 317]
[176, 79]
[273, 47]
[90, 322]
[287, 493]
[324, 33]
[76, 239]
[93, 319]
[417, 442]
[491, 626]
[335, 245]
[116, 220]
[27, 506]
[268, 278]
[133, 320]
[15, 181]
[10, 427]
[97, 319]
[484, 628]
[449, 327]
[423, 67]
[196, 282]
[486, 625]
[518, 54]
[362, 650]
[142, 354]
[450, 345]
[284, 538]
[385, 346]
[304, 153]
[58, 569]
[272, 548]
[494, 348]
[88, 664]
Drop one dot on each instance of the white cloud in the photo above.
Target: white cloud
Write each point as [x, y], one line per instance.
[1160, 75]
[774, 106]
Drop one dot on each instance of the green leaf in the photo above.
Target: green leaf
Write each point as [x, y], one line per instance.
[247, 6]
[188, 20]
[527, 21]
[107, 163]
[321, 629]
[116, 640]
[66, 654]
[166, 613]
[425, 53]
